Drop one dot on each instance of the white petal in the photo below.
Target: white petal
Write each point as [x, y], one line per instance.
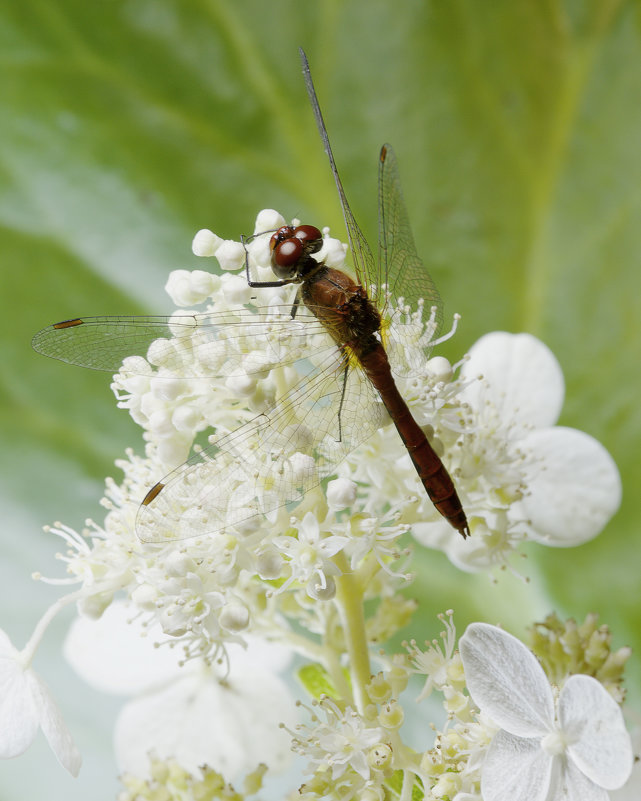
[572, 785]
[18, 712]
[272, 657]
[631, 790]
[113, 656]
[516, 769]
[574, 486]
[505, 681]
[231, 727]
[604, 750]
[25, 705]
[54, 728]
[525, 378]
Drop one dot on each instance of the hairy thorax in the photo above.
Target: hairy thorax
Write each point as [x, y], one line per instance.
[344, 308]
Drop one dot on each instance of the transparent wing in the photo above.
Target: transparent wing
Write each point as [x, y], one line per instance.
[403, 272]
[364, 264]
[399, 267]
[269, 462]
[402, 269]
[219, 343]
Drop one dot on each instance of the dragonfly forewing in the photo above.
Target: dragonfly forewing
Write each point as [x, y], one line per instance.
[228, 343]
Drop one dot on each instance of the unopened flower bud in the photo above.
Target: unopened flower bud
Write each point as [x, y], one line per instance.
[205, 243]
[268, 220]
[440, 368]
[269, 564]
[341, 493]
[95, 605]
[145, 596]
[190, 287]
[231, 256]
[234, 617]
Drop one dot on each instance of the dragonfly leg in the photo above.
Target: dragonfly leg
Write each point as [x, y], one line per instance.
[296, 303]
[340, 405]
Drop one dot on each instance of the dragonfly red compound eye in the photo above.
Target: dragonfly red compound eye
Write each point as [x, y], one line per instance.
[291, 248]
[311, 235]
[286, 232]
[286, 257]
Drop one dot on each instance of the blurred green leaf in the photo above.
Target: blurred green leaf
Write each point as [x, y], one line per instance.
[316, 681]
[128, 125]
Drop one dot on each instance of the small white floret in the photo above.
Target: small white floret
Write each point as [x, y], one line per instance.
[205, 243]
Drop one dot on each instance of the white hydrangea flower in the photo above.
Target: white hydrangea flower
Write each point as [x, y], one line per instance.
[570, 747]
[217, 594]
[26, 705]
[519, 475]
[226, 716]
[301, 572]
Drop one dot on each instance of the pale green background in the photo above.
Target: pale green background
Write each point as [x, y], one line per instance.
[126, 125]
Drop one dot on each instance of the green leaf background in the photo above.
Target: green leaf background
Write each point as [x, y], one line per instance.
[126, 125]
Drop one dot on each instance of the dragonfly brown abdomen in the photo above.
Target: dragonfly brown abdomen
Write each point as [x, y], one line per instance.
[352, 320]
[431, 470]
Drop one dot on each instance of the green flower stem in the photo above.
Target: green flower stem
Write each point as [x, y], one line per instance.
[349, 599]
[337, 673]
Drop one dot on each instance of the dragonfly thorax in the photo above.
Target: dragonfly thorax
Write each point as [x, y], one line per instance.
[291, 251]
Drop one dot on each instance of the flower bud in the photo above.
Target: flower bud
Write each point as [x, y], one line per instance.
[341, 493]
[145, 596]
[269, 564]
[188, 288]
[234, 617]
[268, 220]
[231, 256]
[95, 605]
[205, 243]
[440, 368]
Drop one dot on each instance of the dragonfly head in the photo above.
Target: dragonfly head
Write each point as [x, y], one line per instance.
[291, 248]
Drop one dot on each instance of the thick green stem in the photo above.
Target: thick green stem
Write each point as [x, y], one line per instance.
[349, 599]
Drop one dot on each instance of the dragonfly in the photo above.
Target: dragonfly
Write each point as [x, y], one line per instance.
[346, 338]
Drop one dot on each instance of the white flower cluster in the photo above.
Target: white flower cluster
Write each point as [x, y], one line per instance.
[279, 526]
[509, 733]
[511, 468]
[209, 590]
